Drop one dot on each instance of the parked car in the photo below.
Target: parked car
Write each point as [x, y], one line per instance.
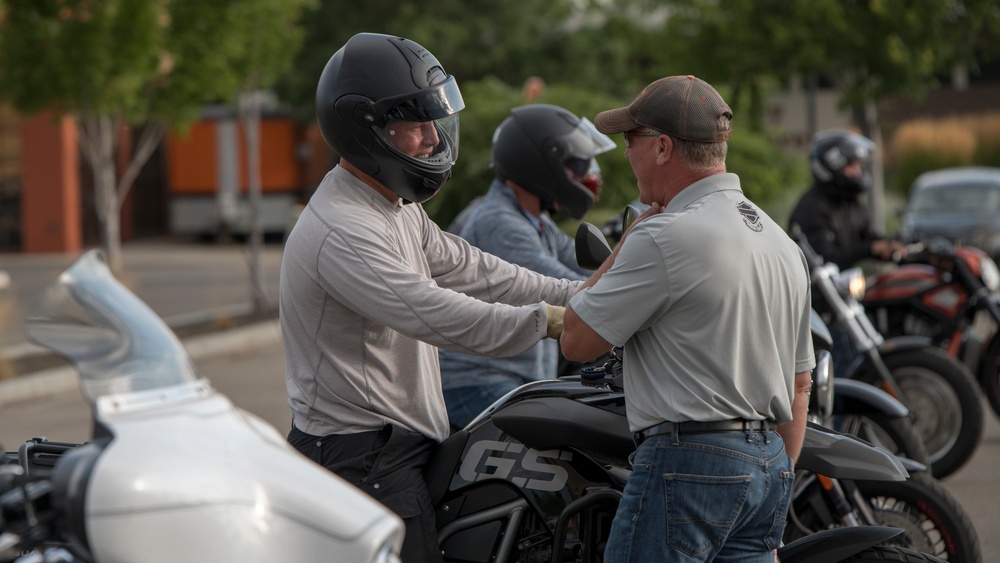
[961, 204]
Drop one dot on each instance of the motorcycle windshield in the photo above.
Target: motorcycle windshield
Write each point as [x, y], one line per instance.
[113, 339]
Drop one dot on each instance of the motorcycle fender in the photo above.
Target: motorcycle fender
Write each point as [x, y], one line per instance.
[912, 466]
[898, 344]
[858, 397]
[831, 546]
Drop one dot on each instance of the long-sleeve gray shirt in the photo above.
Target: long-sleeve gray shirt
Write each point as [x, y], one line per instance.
[500, 226]
[370, 290]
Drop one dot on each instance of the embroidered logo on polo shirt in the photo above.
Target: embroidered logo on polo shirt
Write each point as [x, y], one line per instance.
[750, 216]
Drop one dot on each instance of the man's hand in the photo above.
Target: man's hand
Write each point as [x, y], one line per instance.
[554, 324]
[888, 250]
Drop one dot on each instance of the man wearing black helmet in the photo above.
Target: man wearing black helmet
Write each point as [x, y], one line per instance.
[543, 158]
[371, 287]
[834, 220]
[830, 214]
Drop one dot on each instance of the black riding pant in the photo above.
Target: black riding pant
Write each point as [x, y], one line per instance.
[388, 465]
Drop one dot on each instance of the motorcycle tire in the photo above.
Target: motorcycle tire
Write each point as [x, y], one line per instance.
[884, 554]
[933, 520]
[897, 435]
[944, 399]
[989, 375]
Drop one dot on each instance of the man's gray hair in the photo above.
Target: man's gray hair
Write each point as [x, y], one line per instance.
[708, 156]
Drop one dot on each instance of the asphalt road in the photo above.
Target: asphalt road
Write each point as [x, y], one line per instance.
[181, 282]
[253, 380]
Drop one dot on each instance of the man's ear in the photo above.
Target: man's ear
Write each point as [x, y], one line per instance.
[664, 149]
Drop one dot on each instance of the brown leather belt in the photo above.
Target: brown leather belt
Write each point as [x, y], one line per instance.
[694, 427]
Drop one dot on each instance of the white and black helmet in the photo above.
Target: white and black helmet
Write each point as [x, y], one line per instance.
[373, 81]
[550, 152]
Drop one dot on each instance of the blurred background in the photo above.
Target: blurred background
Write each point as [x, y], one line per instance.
[131, 119]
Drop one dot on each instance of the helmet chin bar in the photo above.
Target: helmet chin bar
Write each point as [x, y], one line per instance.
[416, 179]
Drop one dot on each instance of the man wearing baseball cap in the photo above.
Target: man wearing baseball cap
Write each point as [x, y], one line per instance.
[710, 300]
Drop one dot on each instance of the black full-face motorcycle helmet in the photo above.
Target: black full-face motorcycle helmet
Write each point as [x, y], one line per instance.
[831, 151]
[550, 152]
[370, 89]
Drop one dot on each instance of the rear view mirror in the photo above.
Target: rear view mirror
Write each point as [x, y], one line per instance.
[591, 247]
[629, 216]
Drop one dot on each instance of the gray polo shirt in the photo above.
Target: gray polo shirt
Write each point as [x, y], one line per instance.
[711, 301]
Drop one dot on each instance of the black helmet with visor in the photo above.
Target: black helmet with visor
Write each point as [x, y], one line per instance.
[550, 152]
[387, 106]
[832, 150]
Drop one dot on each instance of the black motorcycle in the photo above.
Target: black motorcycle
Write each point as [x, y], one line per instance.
[537, 477]
[938, 390]
[933, 520]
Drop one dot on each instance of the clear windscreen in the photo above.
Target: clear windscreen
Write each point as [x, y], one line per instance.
[113, 339]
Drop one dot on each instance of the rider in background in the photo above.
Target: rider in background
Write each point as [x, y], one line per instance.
[835, 221]
[543, 158]
[831, 214]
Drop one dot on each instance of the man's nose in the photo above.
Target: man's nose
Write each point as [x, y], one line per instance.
[430, 134]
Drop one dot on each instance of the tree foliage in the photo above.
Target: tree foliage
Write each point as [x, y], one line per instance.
[153, 62]
[872, 50]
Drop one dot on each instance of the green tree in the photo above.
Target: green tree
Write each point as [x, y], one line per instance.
[592, 55]
[114, 63]
[562, 41]
[873, 51]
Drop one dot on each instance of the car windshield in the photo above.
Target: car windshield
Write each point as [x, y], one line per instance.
[971, 199]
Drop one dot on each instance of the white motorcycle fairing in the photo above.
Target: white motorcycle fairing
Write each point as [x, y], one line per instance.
[188, 477]
[176, 472]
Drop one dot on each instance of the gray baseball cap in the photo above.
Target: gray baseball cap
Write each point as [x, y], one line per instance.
[685, 107]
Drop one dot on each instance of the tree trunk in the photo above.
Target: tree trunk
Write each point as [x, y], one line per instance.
[866, 117]
[98, 137]
[249, 107]
[98, 142]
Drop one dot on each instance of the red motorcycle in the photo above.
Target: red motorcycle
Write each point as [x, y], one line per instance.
[948, 293]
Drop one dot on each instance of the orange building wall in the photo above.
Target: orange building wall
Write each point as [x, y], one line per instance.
[193, 163]
[50, 188]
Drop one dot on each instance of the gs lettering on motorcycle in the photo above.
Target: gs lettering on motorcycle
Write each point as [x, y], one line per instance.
[524, 467]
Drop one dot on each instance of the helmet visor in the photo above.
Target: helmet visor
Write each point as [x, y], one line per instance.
[586, 142]
[427, 104]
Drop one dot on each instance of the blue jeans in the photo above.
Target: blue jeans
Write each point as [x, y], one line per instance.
[720, 496]
[465, 403]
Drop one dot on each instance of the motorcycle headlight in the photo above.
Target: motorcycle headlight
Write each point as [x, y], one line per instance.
[850, 283]
[989, 273]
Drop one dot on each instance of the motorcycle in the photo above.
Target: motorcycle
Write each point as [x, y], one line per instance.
[861, 409]
[938, 390]
[949, 294]
[174, 471]
[536, 477]
[933, 520]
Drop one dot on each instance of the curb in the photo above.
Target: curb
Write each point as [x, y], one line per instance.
[236, 340]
